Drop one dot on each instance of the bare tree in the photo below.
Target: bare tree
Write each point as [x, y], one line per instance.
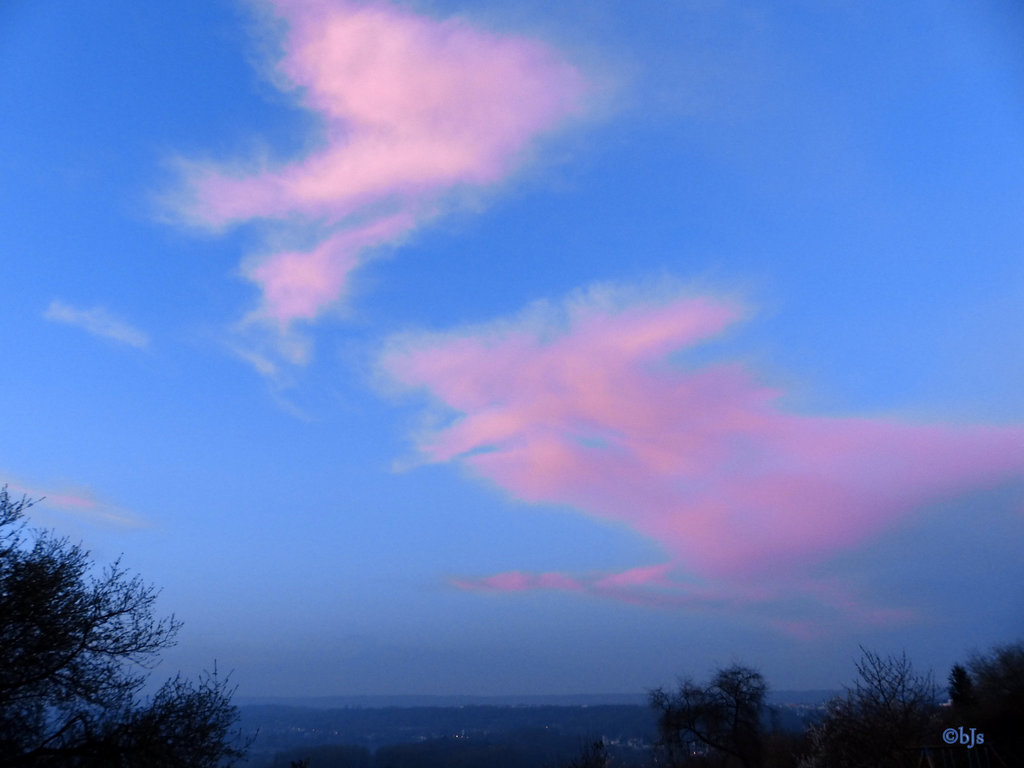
[75, 650]
[722, 718]
[881, 721]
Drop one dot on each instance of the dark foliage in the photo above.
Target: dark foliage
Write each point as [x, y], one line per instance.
[74, 649]
[720, 722]
[961, 688]
[988, 695]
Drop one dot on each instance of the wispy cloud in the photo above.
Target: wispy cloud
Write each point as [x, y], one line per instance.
[75, 501]
[412, 109]
[587, 404]
[98, 322]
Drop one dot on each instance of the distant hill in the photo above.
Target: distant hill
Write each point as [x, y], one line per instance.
[809, 698]
[789, 697]
[419, 700]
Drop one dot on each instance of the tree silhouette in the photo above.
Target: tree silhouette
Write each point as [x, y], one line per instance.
[722, 718]
[881, 721]
[74, 653]
[998, 706]
[961, 688]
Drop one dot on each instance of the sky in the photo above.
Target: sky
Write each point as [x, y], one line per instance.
[445, 347]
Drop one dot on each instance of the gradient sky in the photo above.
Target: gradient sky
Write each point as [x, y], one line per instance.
[524, 347]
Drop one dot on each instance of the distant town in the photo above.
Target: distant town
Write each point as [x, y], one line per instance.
[498, 731]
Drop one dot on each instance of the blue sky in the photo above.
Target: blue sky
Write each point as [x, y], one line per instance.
[443, 347]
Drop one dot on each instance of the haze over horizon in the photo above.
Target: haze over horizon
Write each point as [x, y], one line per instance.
[489, 349]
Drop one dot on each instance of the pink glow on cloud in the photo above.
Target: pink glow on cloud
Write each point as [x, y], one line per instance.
[300, 284]
[77, 502]
[583, 407]
[411, 107]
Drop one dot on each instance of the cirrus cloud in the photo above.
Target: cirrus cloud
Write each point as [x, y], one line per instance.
[74, 501]
[587, 405]
[97, 321]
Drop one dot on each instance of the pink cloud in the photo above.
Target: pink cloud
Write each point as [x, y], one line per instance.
[300, 284]
[411, 108]
[584, 406]
[80, 503]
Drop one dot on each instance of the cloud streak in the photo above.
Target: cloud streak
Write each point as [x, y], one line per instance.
[98, 322]
[588, 404]
[79, 503]
[412, 109]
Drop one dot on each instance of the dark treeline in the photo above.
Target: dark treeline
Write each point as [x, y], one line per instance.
[890, 716]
